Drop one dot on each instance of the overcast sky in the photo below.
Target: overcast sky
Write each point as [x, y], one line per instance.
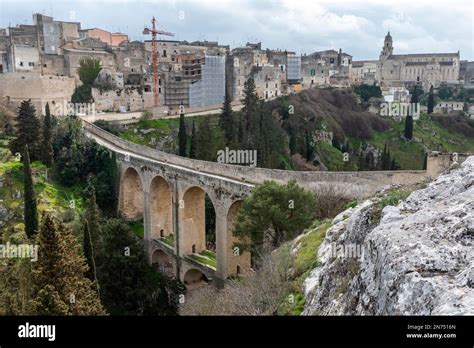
[304, 26]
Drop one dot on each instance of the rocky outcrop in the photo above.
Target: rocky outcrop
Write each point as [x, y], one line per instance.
[415, 258]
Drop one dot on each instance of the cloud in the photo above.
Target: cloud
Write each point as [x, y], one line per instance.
[358, 27]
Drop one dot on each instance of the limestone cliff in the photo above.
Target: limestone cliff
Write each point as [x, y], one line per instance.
[411, 258]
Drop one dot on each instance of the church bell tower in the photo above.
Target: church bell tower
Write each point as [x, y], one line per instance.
[387, 47]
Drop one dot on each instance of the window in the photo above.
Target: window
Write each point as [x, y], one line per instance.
[164, 53]
[21, 63]
[162, 233]
[331, 60]
[193, 248]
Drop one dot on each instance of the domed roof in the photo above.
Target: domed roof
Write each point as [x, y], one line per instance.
[388, 37]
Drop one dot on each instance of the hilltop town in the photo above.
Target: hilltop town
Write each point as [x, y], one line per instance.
[40, 61]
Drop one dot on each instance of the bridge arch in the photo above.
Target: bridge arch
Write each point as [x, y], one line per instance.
[161, 208]
[238, 261]
[194, 278]
[131, 202]
[193, 220]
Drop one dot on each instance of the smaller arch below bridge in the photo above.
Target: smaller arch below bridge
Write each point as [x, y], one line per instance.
[163, 263]
[194, 279]
[132, 201]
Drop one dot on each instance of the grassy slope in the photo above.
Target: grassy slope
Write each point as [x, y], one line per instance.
[427, 135]
[50, 195]
[163, 128]
[305, 260]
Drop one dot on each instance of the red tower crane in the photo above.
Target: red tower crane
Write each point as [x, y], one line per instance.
[154, 56]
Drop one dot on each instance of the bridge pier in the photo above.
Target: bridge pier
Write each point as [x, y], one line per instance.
[172, 204]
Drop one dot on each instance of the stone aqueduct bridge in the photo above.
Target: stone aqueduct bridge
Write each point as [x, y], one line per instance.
[169, 191]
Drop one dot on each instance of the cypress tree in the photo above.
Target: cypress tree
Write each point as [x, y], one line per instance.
[30, 209]
[89, 255]
[226, 119]
[47, 148]
[408, 131]
[204, 148]
[182, 138]
[250, 105]
[292, 143]
[92, 216]
[389, 160]
[192, 147]
[393, 164]
[240, 135]
[27, 130]
[385, 157]
[309, 146]
[59, 283]
[431, 101]
[414, 95]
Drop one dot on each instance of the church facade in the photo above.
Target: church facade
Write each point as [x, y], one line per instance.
[425, 69]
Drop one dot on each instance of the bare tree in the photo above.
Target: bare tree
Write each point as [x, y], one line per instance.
[259, 293]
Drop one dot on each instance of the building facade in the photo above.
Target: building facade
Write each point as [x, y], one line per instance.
[425, 69]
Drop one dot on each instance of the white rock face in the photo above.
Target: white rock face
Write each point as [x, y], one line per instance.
[418, 260]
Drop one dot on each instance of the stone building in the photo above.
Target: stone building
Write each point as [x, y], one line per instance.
[425, 69]
[131, 59]
[267, 81]
[111, 39]
[466, 73]
[363, 71]
[328, 67]
[40, 88]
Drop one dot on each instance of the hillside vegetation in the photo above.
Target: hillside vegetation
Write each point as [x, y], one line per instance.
[324, 129]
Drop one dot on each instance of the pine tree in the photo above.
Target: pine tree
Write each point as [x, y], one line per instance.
[182, 137]
[27, 130]
[128, 284]
[431, 100]
[192, 147]
[226, 120]
[30, 209]
[47, 148]
[59, 283]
